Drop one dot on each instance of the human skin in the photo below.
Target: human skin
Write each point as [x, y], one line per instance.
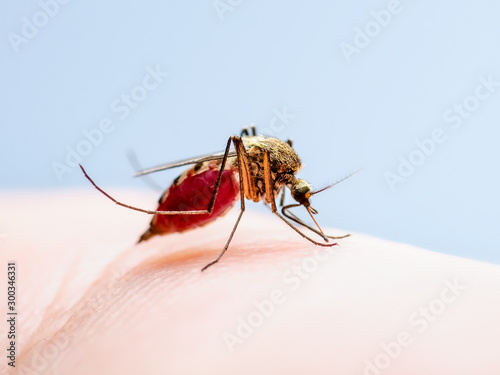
[91, 301]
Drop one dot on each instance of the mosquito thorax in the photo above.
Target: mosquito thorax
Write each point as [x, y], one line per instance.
[283, 157]
[285, 163]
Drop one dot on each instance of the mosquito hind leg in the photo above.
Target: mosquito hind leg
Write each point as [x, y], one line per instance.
[155, 212]
[151, 212]
[227, 242]
[237, 145]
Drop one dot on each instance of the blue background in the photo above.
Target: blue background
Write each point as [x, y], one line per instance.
[240, 63]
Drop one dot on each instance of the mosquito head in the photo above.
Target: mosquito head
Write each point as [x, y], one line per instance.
[301, 191]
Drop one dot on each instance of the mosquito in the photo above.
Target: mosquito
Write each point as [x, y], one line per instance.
[259, 168]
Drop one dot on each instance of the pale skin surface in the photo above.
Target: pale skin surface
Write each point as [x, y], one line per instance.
[90, 301]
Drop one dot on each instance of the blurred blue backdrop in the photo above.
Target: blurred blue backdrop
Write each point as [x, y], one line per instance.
[407, 90]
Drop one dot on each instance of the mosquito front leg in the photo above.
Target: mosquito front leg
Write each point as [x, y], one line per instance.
[268, 182]
[291, 216]
[303, 235]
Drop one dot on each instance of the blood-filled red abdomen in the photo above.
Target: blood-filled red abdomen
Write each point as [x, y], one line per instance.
[192, 191]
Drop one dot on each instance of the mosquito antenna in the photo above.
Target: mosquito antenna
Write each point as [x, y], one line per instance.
[335, 183]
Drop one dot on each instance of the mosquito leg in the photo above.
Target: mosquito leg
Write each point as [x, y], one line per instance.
[246, 133]
[303, 235]
[154, 212]
[268, 182]
[246, 177]
[237, 145]
[291, 216]
[219, 177]
[282, 200]
[339, 237]
[227, 243]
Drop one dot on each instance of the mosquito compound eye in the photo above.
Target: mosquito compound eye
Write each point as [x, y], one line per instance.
[301, 191]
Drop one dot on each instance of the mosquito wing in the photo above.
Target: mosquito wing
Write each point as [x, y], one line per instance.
[180, 163]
